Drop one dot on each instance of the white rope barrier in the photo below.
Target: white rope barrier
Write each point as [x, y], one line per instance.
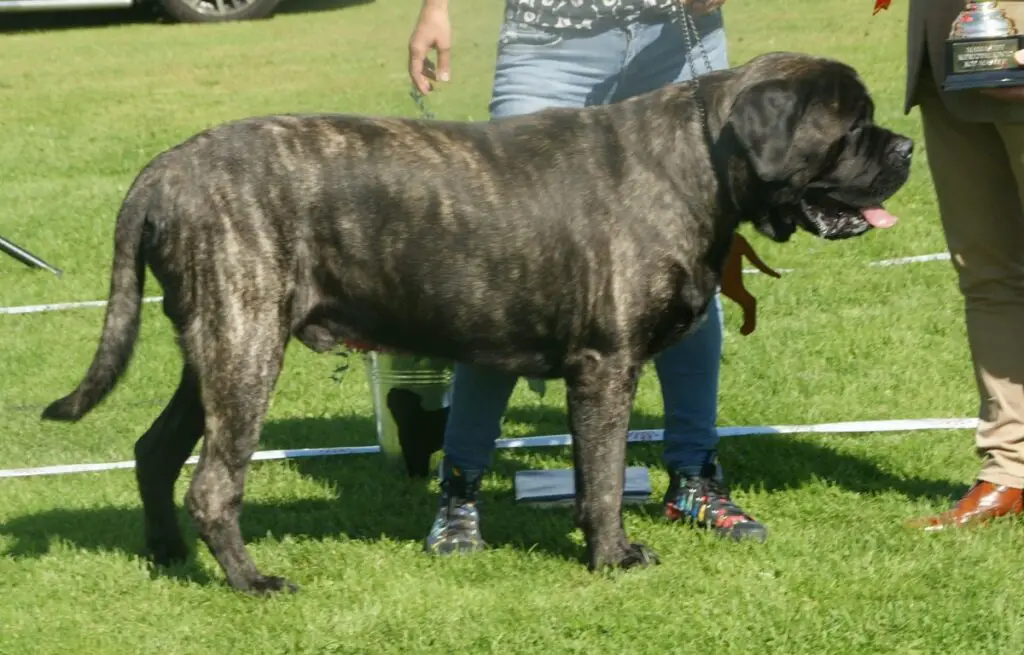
[934, 257]
[63, 306]
[635, 436]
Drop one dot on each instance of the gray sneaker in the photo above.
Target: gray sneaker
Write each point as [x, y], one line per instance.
[456, 528]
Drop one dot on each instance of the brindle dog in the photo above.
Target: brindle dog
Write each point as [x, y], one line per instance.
[571, 243]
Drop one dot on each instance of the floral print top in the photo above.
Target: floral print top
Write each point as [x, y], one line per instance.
[582, 14]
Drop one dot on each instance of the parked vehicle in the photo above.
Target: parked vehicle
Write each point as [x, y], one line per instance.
[185, 11]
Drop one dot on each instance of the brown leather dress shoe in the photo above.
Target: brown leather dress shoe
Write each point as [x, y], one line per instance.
[982, 502]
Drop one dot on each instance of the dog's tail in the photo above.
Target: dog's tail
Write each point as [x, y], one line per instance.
[121, 324]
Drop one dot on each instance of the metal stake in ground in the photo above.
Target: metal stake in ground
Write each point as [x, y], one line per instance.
[27, 258]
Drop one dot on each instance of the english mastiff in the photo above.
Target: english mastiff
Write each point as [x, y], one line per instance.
[571, 243]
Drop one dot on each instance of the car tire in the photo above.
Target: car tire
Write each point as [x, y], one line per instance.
[216, 11]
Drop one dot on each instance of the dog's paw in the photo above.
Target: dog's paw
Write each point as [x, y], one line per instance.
[627, 557]
[167, 552]
[270, 584]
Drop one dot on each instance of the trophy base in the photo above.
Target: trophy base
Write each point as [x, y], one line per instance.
[985, 63]
[983, 80]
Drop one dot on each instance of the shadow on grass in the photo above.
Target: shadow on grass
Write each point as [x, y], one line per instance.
[50, 21]
[375, 501]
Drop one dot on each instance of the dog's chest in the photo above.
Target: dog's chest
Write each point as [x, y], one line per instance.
[681, 314]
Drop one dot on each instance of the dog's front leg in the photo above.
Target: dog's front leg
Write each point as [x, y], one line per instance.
[600, 395]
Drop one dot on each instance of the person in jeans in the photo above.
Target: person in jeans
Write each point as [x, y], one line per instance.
[574, 53]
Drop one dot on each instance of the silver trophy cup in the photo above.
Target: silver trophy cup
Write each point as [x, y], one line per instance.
[980, 48]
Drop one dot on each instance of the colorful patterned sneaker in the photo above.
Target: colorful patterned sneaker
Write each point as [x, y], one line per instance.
[456, 528]
[704, 501]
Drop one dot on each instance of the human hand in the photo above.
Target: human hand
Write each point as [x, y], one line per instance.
[433, 31]
[699, 7]
[1010, 93]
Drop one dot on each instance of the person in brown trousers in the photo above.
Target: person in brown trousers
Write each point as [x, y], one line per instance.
[975, 145]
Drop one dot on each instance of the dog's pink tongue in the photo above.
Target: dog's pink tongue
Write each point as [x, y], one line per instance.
[878, 217]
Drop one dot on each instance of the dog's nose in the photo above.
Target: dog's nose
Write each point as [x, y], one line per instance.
[904, 148]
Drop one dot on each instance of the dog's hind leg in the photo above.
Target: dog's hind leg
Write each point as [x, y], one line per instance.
[600, 395]
[238, 367]
[159, 456]
[161, 452]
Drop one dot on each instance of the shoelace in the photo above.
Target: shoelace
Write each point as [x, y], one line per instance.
[724, 512]
[719, 510]
[460, 518]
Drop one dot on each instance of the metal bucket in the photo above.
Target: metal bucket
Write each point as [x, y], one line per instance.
[410, 396]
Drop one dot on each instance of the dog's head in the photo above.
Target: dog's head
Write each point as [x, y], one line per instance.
[810, 154]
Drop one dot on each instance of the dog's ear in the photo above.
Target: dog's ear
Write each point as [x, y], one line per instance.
[789, 129]
[764, 120]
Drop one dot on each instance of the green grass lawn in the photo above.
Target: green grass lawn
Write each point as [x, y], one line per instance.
[83, 108]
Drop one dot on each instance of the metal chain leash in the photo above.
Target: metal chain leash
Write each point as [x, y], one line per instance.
[684, 17]
[420, 99]
[421, 103]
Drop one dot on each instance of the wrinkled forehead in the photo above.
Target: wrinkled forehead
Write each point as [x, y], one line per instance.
[853, 97]
[823, 83]
[838, 88]
[835, 99]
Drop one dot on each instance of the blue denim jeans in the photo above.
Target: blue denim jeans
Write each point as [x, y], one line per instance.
[539, 68]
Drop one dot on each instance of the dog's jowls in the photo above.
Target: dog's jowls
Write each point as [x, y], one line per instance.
[567, 243]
